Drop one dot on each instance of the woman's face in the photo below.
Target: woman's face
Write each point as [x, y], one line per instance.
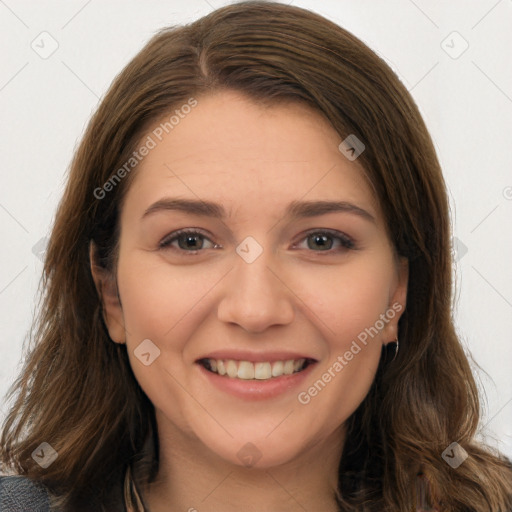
[270, 274]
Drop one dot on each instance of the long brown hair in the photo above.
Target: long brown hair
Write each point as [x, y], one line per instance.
[77, 391]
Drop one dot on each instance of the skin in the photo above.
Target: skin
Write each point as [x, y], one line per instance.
[294, 296]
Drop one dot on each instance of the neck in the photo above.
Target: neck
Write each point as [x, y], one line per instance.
[193, 478]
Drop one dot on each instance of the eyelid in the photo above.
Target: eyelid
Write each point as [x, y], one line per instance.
[172, 237]
[347, 242]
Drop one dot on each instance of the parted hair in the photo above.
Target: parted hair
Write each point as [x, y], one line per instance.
[77, 390]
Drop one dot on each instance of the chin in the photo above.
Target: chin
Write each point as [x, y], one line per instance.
[260, 453]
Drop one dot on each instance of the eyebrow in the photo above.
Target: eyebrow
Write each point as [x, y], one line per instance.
[296, 209]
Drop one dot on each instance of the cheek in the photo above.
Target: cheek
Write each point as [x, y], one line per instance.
[157, 296]
[349, 303]
[348, 300]
[163, 304]
[350, 309]
[167, 305]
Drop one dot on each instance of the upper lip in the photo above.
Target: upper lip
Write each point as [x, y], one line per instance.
[246, 355]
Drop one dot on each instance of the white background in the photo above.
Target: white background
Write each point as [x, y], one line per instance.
[466, 102]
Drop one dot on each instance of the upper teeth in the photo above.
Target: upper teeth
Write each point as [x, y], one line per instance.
[261, 371]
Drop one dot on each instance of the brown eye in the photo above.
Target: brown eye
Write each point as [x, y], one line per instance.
[190, 241]
[324, 241]
[187, 241]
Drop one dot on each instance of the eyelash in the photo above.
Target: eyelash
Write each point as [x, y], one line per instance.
[346, 242]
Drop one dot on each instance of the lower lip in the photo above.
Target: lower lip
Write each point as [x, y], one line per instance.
[256, 389]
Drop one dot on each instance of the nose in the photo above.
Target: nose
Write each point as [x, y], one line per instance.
[255, 296]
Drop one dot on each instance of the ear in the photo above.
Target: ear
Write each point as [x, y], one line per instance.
[398, 301]
[106, 286]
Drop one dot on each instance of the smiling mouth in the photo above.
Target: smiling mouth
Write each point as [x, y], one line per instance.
[246, 370]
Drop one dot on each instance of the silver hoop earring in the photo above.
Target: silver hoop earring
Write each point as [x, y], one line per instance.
[396, 348]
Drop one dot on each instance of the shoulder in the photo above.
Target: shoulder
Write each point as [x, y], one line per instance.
[20, 494]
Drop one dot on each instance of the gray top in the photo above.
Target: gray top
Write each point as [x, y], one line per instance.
[20, 494]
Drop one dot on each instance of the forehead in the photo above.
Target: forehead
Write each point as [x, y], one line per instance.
[229, 149]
